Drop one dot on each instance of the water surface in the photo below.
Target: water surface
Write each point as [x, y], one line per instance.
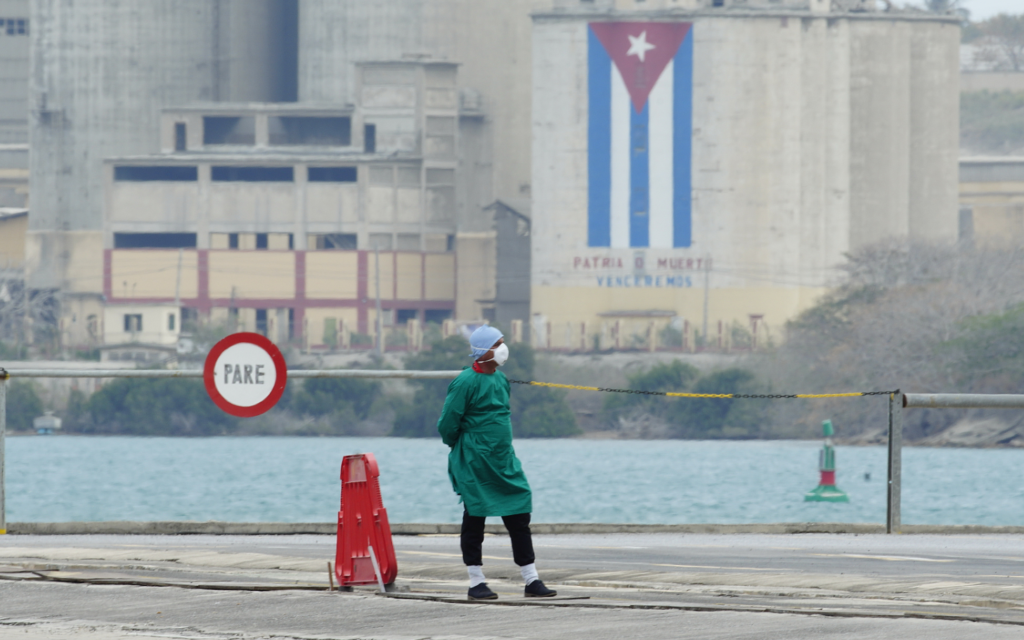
[242, 479]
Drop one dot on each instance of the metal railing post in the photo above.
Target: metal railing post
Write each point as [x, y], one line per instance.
[3, 437]
[892, 511]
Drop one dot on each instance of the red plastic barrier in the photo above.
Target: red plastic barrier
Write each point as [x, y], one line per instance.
[362, 523]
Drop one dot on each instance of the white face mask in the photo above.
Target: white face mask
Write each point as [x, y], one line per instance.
[500, 355]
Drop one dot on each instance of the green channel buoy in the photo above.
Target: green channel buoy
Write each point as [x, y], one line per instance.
[827, 491]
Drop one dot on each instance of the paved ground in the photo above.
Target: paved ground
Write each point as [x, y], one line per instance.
[641, 585]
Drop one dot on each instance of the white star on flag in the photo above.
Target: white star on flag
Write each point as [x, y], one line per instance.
[638, 46]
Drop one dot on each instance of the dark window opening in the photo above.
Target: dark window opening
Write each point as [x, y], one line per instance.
[291, 241]
[154, 241]
[370, 138]
[232, 241]
[291, 324]
[180, 139]
[332, 174]
[717, 3]
[437, 315]
[296, 130]
[261, 321]
[405, 315]
[230, 130]
[252, 174]
[14, 26]
[170, 322]
[343, 241]
[261, 241]
[132, 322]
[451, 242]
[129, 173]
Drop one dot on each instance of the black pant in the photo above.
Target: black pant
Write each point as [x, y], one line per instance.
[518, 529]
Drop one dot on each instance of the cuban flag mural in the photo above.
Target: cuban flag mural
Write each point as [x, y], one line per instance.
[640, 90]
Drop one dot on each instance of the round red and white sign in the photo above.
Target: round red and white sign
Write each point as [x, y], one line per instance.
[245, 374]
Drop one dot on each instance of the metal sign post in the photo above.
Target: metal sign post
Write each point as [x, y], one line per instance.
[892, 501]
[3, 437]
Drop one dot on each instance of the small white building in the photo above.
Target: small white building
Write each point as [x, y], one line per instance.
[147, 324]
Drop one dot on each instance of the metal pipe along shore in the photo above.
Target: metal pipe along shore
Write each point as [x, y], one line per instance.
[962, 401]
[198, 373]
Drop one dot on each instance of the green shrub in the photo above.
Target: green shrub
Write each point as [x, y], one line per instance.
[690, 417]
[710, 417]
[23, 405]
[324, 396]
[673, 376]
[418, 419]
[537, 412]
[16, 351]
[360, 339]
[153, 406]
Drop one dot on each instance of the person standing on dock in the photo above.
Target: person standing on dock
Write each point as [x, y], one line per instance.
[476, 423]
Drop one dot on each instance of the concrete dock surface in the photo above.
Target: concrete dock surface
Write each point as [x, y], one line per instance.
[610, 586]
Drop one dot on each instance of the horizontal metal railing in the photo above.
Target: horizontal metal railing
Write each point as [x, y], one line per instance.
[198, 373]
[962, 401]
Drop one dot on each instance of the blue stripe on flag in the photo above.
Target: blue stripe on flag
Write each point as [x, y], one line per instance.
[682, 127]
[600, 144]
[639, 178]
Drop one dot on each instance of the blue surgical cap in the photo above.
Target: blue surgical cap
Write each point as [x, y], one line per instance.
[483, 339]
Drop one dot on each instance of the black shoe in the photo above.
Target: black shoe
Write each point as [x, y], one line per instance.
[482, 592]
[536, 589]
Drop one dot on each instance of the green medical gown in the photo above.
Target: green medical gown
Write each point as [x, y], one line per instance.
[482, 464]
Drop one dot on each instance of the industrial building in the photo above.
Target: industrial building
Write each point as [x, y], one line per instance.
[249, 160]
[15, 28]
[292, 219]
[711, 165]
[233, 95]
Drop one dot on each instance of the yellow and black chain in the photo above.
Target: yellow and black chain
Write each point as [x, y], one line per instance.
[677, 394]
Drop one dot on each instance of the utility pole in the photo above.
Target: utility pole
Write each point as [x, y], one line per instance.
[177, 290]
[380, 319]
[707, 283]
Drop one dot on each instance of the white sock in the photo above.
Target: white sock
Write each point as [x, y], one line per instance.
[476, 575]
[529, 572]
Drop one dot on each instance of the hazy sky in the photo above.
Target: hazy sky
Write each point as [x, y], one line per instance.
[982, 9]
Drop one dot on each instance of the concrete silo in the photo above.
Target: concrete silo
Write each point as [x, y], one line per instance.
[256, 50]
[490, 40]
[765, 143]
[337, 34]
[101, 71]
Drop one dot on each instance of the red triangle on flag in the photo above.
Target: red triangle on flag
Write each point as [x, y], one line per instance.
[641, 51]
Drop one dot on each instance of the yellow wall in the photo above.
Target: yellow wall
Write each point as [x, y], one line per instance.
[440, 276]
[410, 276]
[252, 274]
[476, 278]
[139, 273]
[332, 274]
[12, 240]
